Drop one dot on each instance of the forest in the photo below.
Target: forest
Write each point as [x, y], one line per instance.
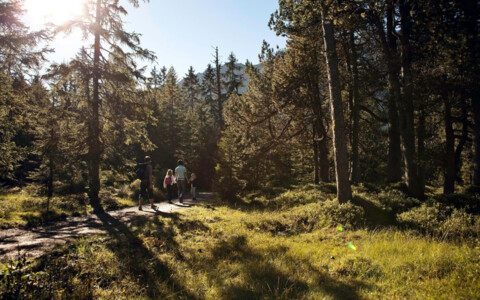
[330, 161]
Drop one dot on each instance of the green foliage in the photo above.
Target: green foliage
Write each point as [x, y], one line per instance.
[22, 280]
[469, 202]
[442, 221]
[22, 208]
[315, 249]
[396, 201]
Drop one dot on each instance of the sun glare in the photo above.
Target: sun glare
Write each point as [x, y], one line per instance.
[53, 11]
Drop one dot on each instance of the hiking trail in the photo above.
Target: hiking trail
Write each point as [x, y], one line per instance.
[33, 242]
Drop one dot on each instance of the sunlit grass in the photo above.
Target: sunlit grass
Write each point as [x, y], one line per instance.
[219, 252]
[19, 209]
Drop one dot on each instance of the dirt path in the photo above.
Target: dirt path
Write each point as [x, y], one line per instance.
[36, 241]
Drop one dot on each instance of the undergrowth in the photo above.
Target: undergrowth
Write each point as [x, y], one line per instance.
[21, 208]
[312, 249]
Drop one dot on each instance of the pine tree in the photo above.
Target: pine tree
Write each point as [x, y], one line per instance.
[18, 45]
[344, 192]
[191, 88]
[232, 79]
[19, 55]
[103, 23]
[208, 90]
[219, 94]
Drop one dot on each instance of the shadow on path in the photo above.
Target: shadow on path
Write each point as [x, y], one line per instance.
[33, 242]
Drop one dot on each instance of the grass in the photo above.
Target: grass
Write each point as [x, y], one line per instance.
[20, 209]
[285, 252]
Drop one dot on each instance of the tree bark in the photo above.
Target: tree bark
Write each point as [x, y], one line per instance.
[449, 175]
[220, 122]
[476, 139]
[394, 146]
[462, 141]
[421, 136]
[321, 132]
[471, 21]
[94, 145]
[389, 47]
[51, 168]
[344, 192]
[407, 122]
[355, 113]
[316, 165]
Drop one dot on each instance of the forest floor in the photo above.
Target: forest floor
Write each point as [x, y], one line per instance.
[33, 242]
[279, 243]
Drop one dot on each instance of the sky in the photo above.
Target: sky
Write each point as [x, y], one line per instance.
[182, 33]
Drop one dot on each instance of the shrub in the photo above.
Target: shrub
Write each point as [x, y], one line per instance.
[35, 189]
[461, 225]
[307, 218]
[469, 202]
[347, 214]
[134, 189]
[426, 218]
[442, 221]
[126, 191]
[396, 201]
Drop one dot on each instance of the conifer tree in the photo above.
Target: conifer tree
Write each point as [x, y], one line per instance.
[208, 90]
[102, 22]
[219, 93]
[232, 79]
[191, 88]
[344, 192]
[19, 55]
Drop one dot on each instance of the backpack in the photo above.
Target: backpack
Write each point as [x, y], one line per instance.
[141, 171]
[168, 180]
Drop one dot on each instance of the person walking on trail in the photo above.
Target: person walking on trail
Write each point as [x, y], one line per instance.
[181, 179]
[144, 173]
[168, 183]
[193, 186]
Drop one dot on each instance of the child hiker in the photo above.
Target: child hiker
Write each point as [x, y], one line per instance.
[193, 185]
[168, 183]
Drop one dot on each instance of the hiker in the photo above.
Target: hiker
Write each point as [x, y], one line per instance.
[144, 173]
[168, 183]
[193, 185]
[181, 178]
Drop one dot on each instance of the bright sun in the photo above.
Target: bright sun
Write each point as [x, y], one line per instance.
[53, 11]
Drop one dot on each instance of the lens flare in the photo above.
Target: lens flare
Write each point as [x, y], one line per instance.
[352, 246]
[340, 228]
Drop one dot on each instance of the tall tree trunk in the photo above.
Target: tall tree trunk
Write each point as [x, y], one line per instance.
[407, 121]
[449, 175]
[462, 141]
[421, 136]
[51, 168]
[355, 174]
[394, 145]
[316, 165]
[476, 139]
[471, 24]
[173, 133]
[94, 145]
[389, 47]
[323, 159]
[319, 126]
[220, 122]
[344, 192]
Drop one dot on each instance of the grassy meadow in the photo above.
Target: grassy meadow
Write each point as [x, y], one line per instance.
[280, 244]
[28, 207]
